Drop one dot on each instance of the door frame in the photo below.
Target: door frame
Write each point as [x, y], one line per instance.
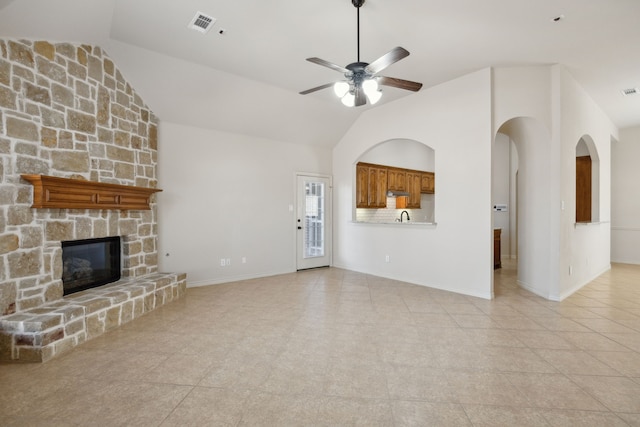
[328, 212]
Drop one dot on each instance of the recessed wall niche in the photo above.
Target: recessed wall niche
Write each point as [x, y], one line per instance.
[406, 154]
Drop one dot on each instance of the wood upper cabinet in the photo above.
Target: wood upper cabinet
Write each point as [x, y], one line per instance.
[371, 186]
[428, 183]
[396, 179]
[377, 187]
[362, 186]
[373, 182]
[413, 187]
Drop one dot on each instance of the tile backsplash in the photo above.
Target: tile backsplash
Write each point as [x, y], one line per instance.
[391, 214]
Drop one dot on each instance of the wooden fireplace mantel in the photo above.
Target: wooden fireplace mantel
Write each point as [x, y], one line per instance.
[65, 193]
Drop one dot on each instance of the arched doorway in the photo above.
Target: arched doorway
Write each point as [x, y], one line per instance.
[522, 188]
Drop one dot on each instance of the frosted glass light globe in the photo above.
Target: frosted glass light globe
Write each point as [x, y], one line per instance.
[341, 89]
[370, 86]
[349, 100]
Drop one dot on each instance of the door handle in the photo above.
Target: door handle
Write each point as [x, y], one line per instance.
[299, 228]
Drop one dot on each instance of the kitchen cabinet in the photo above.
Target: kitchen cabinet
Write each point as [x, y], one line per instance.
[377, 187]
[396, 179]
[428, 183]
[413, 187]
[374, 181]
[371, 186]
[362, 186]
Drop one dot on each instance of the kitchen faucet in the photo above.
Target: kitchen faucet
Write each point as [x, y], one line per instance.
[402, 213]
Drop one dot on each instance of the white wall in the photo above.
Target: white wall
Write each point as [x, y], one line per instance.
[455, 120]
[228, 196]
[584, 249]
[401, 153]
[501, 190]
[522, 111]
[513, 199]
[522, 92]
[200, 96]
[556, 257]
[534, 214]
[625, 199]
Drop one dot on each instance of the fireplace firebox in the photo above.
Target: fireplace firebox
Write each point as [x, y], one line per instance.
[90, 263]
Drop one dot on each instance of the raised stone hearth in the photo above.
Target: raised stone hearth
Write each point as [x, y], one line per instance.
[41, 333]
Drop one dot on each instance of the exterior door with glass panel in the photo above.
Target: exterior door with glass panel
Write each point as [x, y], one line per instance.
[313, 222]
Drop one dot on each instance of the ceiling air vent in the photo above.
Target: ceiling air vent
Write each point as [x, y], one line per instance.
[202, 22]
[631, 91]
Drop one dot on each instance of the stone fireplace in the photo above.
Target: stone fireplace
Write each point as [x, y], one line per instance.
[67, 111]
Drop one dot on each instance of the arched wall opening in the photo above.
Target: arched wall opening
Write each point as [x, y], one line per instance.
[587, 184]
[404, 154]
[503, 195]
[527, 142]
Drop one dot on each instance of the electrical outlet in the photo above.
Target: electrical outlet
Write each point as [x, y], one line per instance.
[228, 261]
[386, 258]
[244, 259]
[222, 262]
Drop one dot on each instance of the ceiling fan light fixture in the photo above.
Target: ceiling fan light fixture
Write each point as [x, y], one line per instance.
[362, 78]
[341, 88]
[349, 100]
[370, 87]
[374, 96]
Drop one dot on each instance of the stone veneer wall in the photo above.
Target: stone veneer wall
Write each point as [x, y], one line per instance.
[66, 110]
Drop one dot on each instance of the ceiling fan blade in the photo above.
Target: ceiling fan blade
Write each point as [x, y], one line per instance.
[328, 64]
[399, 83]
[313, 89]
[391, 57]
[361, 98]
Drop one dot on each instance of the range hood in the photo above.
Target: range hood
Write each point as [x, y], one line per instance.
[393, 193]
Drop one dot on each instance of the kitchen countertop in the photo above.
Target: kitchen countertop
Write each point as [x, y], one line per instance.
[399, 224]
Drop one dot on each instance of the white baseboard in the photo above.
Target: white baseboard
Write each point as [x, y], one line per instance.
[576, 288]
[229, 279]
[531, 289]
[484, 295]
[626, 261]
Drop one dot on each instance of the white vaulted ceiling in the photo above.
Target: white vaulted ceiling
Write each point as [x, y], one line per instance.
[247, 80]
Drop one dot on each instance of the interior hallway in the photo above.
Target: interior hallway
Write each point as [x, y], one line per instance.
[334, 347]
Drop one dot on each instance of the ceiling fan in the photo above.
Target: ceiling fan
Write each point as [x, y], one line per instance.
[361, 78]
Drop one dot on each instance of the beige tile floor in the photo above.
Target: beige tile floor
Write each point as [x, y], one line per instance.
[331, 347]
